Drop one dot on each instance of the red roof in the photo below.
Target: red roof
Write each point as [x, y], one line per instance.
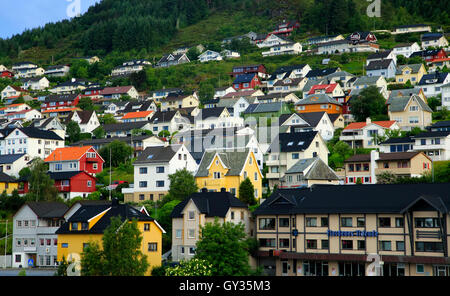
[60, 110]
[360, 125]
[115, 90]
[329, 88]
[68, 153]
[139, 114]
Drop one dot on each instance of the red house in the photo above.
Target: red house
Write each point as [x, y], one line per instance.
[249, 69]
[286, 28]
[362, 37]
[246, 82]
[433, 55]
[6, 74]
[60, 101]
[72, 159]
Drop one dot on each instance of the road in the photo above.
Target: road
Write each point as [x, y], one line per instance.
[29, 272]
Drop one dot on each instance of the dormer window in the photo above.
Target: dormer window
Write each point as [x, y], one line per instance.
[84, 226]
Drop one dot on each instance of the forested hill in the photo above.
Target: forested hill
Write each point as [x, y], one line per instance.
[124, 25]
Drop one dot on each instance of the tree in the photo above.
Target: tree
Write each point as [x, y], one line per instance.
[182, 184]
[206, 92]
[86, 104]
[193, 267]
[120, 153]
[73, 131]
[121, 254]
[99, 133]
[193, 53]
[225, 247]
[370, 103]
[107, 119]
[247, 192]
[41, 186]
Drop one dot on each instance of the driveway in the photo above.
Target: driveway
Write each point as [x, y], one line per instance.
[29, 272]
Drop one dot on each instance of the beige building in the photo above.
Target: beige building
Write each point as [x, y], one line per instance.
[409, 112]
[179, 101]
[412, 73]
[390, 230]
[198, 209]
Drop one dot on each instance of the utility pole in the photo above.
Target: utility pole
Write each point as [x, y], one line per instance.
[6, 242]
[110, 165]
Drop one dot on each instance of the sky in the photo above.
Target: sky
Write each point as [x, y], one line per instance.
[19, 15]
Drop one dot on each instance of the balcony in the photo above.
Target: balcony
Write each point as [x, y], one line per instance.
[63, 188]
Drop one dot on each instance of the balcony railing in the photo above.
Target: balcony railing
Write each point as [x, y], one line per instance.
[428, 234]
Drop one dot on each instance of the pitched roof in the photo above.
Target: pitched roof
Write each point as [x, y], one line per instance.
[36, 133]
[264, 108]
[292, 142]
[367, 80]
[319, 170]
[45, 209]
[124, 126]
[67, 175]
[360, 125]
[398, 104]
[234, 161]
[329, 88]
[67, 153]
[210, 112]
[384, 156]
[165, 116]
[359, 199]
[245, 93]
[139, 114]
[60, 98]
[317, 99]
[379, 64]
[85, 116]
[321, 72]
[288, 82]
[437, 134]
[116, 90]
[312, 118]
[401, 140]
[157, 154]
[6, 178]
[379, 55]
[212, 204]
[244, 78]
[415, 68]
[433, 78]
[10, 158]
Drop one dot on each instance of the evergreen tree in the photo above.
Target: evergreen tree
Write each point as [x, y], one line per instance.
[247, 192]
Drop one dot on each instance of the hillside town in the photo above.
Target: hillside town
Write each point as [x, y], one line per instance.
[338, 165]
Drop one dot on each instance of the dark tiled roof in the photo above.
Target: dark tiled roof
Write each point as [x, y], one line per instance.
[64, 175]
[437, 134]
[434, 78]
[48, 209]
[379, 55]
[379, 64]
[244, 78]
[234, 161]
[210, 112]
[312, 118]
[9, 158]
[36, 133]
[4, 178]
[165, 116]
[398, 140]
[445, 123]
[212, 204]
[85, 116]
[60, 98]
[124, 126]
[157, 154]
[321, 72]
[353, 199]
[292, 142]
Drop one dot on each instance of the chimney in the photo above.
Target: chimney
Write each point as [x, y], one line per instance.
[223, 190]
[374, 156]
[368, 121]
[204, 190]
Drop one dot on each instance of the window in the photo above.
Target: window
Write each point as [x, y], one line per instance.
[267, 242]
[361, 244]
[429, 247]
[400, 246]
[385, 246]
[159, 183]
[216, 175]
[178, 233]
[347, 245]
[420, 268]
[324, 221]
[311, 222]
[351, 167]
[346, 222]
[19, 223]
[147, 227]
[58, 166]
[426, 222]
[159, 170]
[266, 223]
[191, 215]
[361, 222]
[143, 184]
[152, 247]
[232, 215]
[141, 197]
[142, 171]
[284, 222]
[89, 183]
[74, 226]
[55, 241]
[325, 244]
[191, 233]
[256, 176]
[311, 244]
[18, 242]
[384, 222]
[399, 222]
[84, 226]
[284, 243]
[64, 245]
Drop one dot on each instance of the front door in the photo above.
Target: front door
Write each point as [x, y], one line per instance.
[284, 268]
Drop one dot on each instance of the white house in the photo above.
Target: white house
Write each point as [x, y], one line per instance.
[222, 91]
[406, 49]
[285, 48]
[36, 83]
[24, 115]
[209, 55]
[228, 54]
[87, 120]
[272, 40]
[416, 28]
[57, 71]
[152, 169]
[434, 40]
[384, 68]
[235, 106]
[446, 96]
[11, 91]
[431, 84]
[130, 67]
[434, 144]
[12, 164]
[171, 121]
[218, 117]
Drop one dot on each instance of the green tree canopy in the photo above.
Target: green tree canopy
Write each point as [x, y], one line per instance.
[73, 131]
[247, 192]
[120, 153]
[41, 186]
[182, 184]
[86, 104]
[369, 103]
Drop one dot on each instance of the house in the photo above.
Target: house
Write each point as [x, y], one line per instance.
[264, 111]
[320, 122]
[12, 91]
[137, 116]
[229, 54]
[333, 90]
[432, 84]
[171, 121]
[274, 97]
[234, 106]
[407, 92]
[294, 71]
[90, 60]
[272, 40]
[198, 209]
[288, 148]
[247, 94]
[12, 164]
[445, 96]
[381, 56]
[129, 67]
[47, 124]
[316, 74]
[73, 86]
[362, 37]
[116, 93]
[366, 81]
[434, 40]
[323, 39]
[157, 95]
[431, 55]
[402, 144]
[34, 238]
[75, 159]
[440, 126]
[27, 70]
[172, 60]
[406, 49]
[246, 81]
[222, 91]
[115, 107]
[152, 169]
[286, 28]
[346, 46]
[249, 69]
[416, 28]
[284, 48]
[412, 73]
[409, 112]
[36, 83]
[209, 55]
[61, 113]
[228, 169]
[333, 240]
[30, 140]
[176, 101]
[365, 134]
[89, 223]
[289, 85]
[87, 120]
[124, 129]
[318, 103]
[341, 77]
[24, 115]
[367, 167]
[436, 145]
[309, 172]
[6, 74]
[218, 117]
[384, 68]
[148, 105]
[338, 120]
[57, 71]
[7, 183]
[53, 102]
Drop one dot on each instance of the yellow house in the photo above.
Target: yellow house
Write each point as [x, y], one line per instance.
[227, 170]
[413, 73]
[409, 112]
[7, 183]
[89, 222]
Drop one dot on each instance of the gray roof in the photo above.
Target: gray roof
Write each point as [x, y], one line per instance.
[319, 170]
[227, 102]
[234, 161]
[124, 126]
[398, 104]
[366, 80]
[414, 68]
[321, 99]
[10, 158]
[264, 108]
[48, 209]
[157, 154]
[403, 93]
[379, 64]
